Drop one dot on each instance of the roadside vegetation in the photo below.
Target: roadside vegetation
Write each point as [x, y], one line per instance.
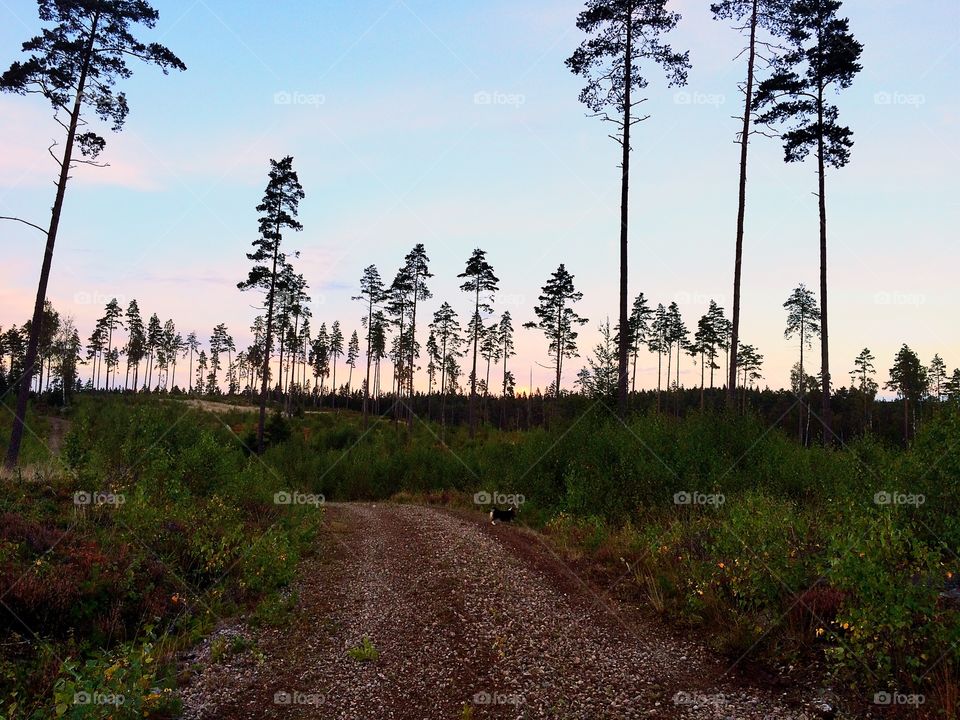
[779, 554]
[151, 525]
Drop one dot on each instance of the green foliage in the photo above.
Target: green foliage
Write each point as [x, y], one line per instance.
[892, 623]
[275, 610]
[125, 682]
[365, 651]
[798, 560]
[196, 535]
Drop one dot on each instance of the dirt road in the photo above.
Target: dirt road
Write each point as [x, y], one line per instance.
[469, 621]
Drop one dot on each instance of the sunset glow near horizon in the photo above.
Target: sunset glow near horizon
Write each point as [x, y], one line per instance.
[459, 127]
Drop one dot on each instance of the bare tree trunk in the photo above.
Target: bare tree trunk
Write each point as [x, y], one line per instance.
[676, 401]
[803, 384]
[906, 420]
[559, 350]
[40, 374]
[741, 208]
[413, 344]
[669, 368]
[826, 411]
[334, 380]
[702, 379]
[23, 394]
[261, 421]
[504, 388]
[659, 372]
[443, 387]
[624, 217]
[366, 387]
[292, 360]
[473, 372]
[109, 355]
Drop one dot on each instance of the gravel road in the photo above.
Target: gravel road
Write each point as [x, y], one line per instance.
[470, 621]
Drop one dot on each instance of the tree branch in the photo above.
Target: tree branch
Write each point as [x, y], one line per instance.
[16, 219]
[94, 163]
[50, 152]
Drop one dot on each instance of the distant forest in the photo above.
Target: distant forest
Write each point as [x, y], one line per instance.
[327, 368]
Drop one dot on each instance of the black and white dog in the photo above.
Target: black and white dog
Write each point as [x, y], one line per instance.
[505, 515]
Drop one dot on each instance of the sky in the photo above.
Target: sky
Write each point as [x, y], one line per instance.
[457, 125]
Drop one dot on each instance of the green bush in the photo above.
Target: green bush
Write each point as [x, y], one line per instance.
[197, 535]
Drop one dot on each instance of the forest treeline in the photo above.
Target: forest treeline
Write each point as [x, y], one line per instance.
[797, 54]
[328, 368]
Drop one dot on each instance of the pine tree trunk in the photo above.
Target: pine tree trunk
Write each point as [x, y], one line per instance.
[40, 375]
[824, 332]
[334, 380]
[559, 351]
[676, 400]
[473, 372]
[265, 371]
[741, 208]
[906, 419]
[659, 373]
[702, 380]
[624, 217]
[413, 345]
[803, 383]
[33, 342]
[669, 369]
[504, 389]
[293, 362]
[366, 387]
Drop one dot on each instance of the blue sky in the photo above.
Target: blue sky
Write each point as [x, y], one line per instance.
[393, 148]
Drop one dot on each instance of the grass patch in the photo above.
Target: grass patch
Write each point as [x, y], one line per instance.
[365, 651]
